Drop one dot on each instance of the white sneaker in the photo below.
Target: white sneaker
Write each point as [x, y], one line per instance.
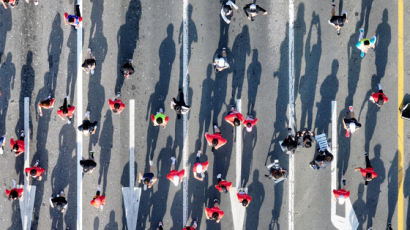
[35, 2]
[219, 176]
[151, 163]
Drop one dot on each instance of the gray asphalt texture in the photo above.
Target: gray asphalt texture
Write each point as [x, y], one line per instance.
[38, 58]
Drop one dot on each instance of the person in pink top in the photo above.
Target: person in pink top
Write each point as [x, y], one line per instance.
[200, 167]
[368, 173]
[175, 176]
[234, 117]
[249, 122]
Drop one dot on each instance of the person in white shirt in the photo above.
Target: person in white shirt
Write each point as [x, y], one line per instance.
[227, 11]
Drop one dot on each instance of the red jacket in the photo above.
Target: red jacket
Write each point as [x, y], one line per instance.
[243, 196]
[188, 228]
[68, 114]
[341, 193]
[20, 145]
[225, 183]
[368, 170]
[39, 171]
[97, 201]
[376, 97]
[221, 141]
[18, 190]
[251, 121]
[203, 164]
[232, 115]
[210, 211]
[118, 101]
[174, 173]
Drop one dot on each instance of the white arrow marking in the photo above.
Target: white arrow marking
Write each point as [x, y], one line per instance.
[238, 211]
[27, 204]
[131, 194]
[349, 221]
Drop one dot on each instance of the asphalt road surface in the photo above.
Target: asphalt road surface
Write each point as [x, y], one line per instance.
[38, 58]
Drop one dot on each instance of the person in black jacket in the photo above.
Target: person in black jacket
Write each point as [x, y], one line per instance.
[59, 202]
[88, 127]
[338, 21]
[127, 69]
[252, 10]
[89, 164]
[179, 106]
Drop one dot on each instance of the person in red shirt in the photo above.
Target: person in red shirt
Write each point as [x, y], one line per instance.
[17, 146]
[98, 201]
[14, 193]
[223, 185]
[215, 140]
[116, 106]
[341, 194]
[160, 119]
[192, 227]
[200, 167]
[243, 197]
[73, 20]
[45, 104]
[234, 117]
[175, 176]
[249, 122]
[66, 111]
[368, 173]
[35, 171]
[379, 98]
[214, 213]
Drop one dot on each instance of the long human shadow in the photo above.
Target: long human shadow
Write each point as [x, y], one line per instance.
[97, 223]
[359, 207]
[258, 195]
[156, 101]
[371, 114]
[5, 26]
[125, 179]
[64, 173]
[112, 225]
[328, 91]
[309, 80]
[383, 34]
[299, 33]
[373, 188]
[212, 194]
[27, 87]
[71, 65]
[127, 38]
[106, 143]
[176, 210]
[15, 217]
[55, 44]
[240, 49]
[365, 14]
[340, 7]
[392, 186]
[406, 192]
[96, 92]
[254, 73]
[222, 156]
[249, 143]
[7, 77]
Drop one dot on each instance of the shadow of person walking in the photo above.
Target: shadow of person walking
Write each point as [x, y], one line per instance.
[254, 73]
[258, 195]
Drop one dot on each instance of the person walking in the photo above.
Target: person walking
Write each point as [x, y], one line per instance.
[379, 98]
[337, 21]
[252, 10]
[179, 105]
[341, 195]
[147, 179]
[89, 63]
[175, 176]
[368, 173]
[73, 20]
[17, 146]
[289, 144]
[35, 171]
[116, 105]
[234, 117]
[364, 43]
[59, 202]
[322, 160]
[243, 197]
[98, 200]
[350, 124]
[200, 168]
[127, 69]
[221, 61]
[227, 11]
[223, 185]
[89, 164]
[193, 226]
[215, 140]
[160, 119]
[14, 193]
[12, 3]
[66, 111]
[47, 103]
[214, 213]
[249, 123]
[35, 2]
[88, 127]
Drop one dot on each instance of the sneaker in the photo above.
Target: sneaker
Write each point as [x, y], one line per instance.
[219, 176]
[173, 158]
[87, 114]
[198, 154]
[195, 224]
[89, 51]
[361, 30]
[161, 110]
[344, 181]
[118, 94]
[92, 72]
[130, 60]
[151, 163]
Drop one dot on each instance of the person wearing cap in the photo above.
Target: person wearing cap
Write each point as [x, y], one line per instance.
[234, 117]
[200, 167]
[364, 43]
[17, 146]
[89, 63]
[249, 122]
[214, 213]
[193, 226]
[350, 124]
[305, 138]
[147, 179]
[180, 106]
[127, 69]
[47, 103]
[14, 193]
[116, 105]
[322, 159]
[221, 61]
[98, 201]
[341, 195]
[66, 111]
[88, 127]
[73, 20]
[35, 171]
[160, 119]
[276, 172]
[227, 11]
[252, 10]
[338, 21]
[223, 185]
[175, 176]
[215, 140]
[379, 98]
[59, 202]
[89, 164]
[289, 143]
[368, 173]
[243, 197]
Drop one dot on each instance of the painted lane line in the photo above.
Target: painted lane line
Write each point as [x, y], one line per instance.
[291, 176]
[238, 144]
[27, 204]
[79, 118]
[185, 148]
[131, 195]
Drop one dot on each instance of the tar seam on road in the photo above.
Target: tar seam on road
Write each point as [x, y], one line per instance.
[185, 116]
[291, 178]
[400, 133]
[79, 108]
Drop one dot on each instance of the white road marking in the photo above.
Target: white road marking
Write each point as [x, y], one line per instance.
[291, 176]
[79, 113]
[238, 211]
[238, 144]
[131, 195]
[27, 204]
